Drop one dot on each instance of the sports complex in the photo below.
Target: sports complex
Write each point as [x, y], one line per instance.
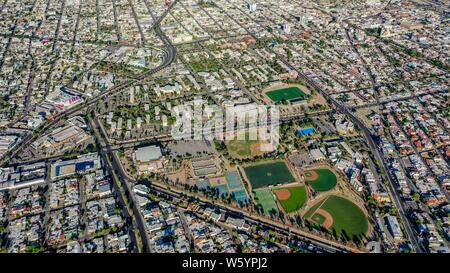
[267, 179]
[290, 198]
[276, 189]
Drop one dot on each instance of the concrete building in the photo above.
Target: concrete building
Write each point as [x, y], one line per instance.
[148, 159]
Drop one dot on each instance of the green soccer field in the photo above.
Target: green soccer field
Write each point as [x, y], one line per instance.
[265, 198]
[288, 94]
[273, 173]
[296, 200]
[326, 181]
[347, 216]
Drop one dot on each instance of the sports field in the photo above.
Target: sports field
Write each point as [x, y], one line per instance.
[340, 214]
[291, 198]
[242, 148]
[265, 198]
[318, 218]
[321, 179]
[288, 94]
[272, 173]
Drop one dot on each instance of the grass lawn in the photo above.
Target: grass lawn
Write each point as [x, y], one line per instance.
[318, 218]
[265, 198]
[347, 217]
[289, 93]
[296, 200]
[313, 209]
[241, 148]
[273, 173]
[326, 181]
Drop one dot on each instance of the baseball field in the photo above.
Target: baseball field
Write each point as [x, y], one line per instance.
[321, 179]
[244, 148]
[288, 94]
[291, 198]
[271, 173]
[340, 214]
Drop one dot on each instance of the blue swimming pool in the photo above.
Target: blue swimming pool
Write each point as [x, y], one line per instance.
[305, 131]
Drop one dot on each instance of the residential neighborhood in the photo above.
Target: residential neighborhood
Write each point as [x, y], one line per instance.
[224, 126]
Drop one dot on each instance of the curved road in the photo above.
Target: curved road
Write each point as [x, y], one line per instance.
[169, 54]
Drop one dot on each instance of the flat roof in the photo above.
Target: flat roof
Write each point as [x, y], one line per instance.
[148, 153]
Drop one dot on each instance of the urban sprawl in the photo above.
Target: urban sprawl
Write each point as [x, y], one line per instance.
[89, 161]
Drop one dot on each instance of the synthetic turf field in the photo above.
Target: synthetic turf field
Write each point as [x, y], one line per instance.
[265, 174]
[265, 198]
[288, 94]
